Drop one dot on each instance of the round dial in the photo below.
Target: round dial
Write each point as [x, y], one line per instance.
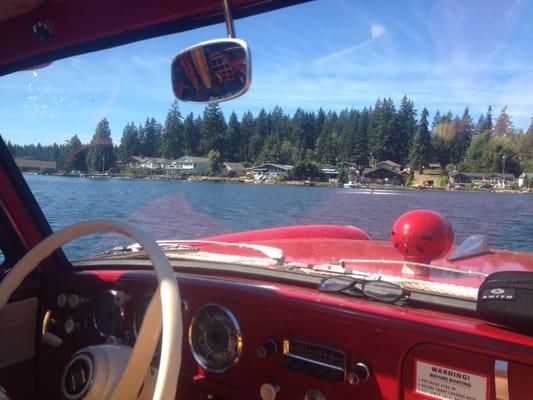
[108, 315]
[215, 338]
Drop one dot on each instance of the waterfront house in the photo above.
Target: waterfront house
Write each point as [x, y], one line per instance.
[525, 179]
[270, 172]
[348, 166]
[150, 163]
[382, 175]
[190, 165]
[25, 164]
[389, 165]
[495, 179]
[433, 169]
[329, 171]
[233, 168]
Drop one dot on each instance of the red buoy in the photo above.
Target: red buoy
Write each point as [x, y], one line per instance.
[422, 236]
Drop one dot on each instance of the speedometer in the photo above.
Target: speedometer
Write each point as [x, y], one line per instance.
[215, 338]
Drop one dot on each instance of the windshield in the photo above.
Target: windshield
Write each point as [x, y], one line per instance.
[357, 113]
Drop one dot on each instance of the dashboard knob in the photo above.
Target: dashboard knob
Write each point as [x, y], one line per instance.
[314, 394]
[69, 325]
[267, 349]
[74, 301]
[61, 300]
[360, 373]
[269, 391]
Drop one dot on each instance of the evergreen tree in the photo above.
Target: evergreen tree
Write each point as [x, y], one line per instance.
[130, 144]
[152, 138]
[406, 122]
[247, 130]
[100, 156]
[503, 126]
[191, 135]
[213, 131]
[233, 137]
[172, 136]
[421, 148]
[487, 123]
[75, 155]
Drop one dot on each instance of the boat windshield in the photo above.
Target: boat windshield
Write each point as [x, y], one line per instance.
[353, 118]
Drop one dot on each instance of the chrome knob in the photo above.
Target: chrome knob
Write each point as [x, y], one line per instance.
[314, 394]
[269, 391]
[74, 301]
[61, 300]
[69, 325]
[362, 370]
[269, 348]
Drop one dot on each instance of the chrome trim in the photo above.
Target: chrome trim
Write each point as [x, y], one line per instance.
[115, 294]
[229, 20]
[198, 358]
[501, 379]
[311, 361]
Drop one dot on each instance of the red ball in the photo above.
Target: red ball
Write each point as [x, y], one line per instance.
[422, 236]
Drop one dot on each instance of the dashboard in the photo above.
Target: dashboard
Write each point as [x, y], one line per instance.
[257, 339]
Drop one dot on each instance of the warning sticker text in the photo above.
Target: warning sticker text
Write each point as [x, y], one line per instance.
[448, 383]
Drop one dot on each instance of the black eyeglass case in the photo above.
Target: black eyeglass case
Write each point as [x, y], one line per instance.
[506, 298]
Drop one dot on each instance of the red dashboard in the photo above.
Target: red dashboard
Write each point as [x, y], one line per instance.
[322, 342]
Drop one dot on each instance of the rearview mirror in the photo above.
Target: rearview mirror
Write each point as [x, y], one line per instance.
[212, 71]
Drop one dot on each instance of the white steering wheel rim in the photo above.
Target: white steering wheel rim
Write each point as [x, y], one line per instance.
[172, 323]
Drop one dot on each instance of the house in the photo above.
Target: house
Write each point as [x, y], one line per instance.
[348, 166]
[269, 172]
[525, 179]
[494, 179]
[190, 165]
[433, 169]
[152, 163]
[233, 168]
[329, 171]
[388, 164]
[35, 165]
[383, 175]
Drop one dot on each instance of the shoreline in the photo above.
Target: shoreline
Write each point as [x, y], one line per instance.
[241, 180]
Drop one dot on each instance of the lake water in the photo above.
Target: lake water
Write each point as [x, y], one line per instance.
[181, 209]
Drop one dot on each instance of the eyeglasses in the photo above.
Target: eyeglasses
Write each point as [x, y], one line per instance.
[379, 290]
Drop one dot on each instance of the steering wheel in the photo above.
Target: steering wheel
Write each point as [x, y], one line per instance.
[168, 314]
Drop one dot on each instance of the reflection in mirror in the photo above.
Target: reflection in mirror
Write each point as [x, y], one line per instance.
[383, 291]
[212, 71]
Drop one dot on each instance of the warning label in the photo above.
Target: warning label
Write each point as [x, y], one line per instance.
[449, 384]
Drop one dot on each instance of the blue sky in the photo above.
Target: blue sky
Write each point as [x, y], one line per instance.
[328, 53]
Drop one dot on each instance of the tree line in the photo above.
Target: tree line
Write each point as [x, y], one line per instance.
[360, 136]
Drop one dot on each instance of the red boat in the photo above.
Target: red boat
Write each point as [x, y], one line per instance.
[299, 312]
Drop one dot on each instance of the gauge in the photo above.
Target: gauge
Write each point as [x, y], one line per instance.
[215, 338]
[61, 300]
[108, 315]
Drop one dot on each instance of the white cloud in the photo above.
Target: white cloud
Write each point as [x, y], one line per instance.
[377, 30]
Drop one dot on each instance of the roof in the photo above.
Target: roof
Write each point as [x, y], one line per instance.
[30, 25]
[193, 159]
[389, 162]
[435, 165]
[141, 159]
[38, 164]
[526, 174]
[235, 166]
[367, 171]
[483, 174]
[280, 166]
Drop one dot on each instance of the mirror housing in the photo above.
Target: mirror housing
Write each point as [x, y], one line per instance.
[212, 71]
